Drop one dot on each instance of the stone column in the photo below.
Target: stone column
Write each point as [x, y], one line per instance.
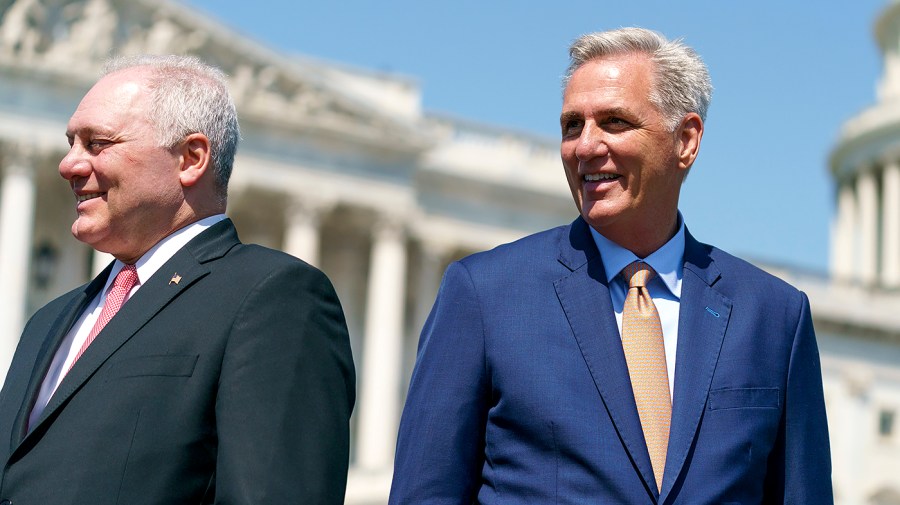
[379, 405]
[867, 199]
[890, 225]
[429, 281]
[851, 445]
[432, 255]
[843, 234]
[302, 237]
[17, 209]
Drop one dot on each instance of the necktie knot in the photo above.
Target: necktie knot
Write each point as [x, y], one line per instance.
[638, 274]
[124, 281]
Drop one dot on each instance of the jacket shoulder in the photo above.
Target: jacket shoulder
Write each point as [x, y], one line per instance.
[741, 276]
[537, 247]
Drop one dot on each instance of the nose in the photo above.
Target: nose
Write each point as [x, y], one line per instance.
[591, 143]
[75, 163]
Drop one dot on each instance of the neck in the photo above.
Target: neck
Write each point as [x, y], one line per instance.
[642, 240]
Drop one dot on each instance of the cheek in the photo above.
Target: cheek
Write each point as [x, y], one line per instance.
[568, 156]
[572, 178]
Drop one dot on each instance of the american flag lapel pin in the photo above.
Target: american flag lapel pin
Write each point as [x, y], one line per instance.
[175, 279]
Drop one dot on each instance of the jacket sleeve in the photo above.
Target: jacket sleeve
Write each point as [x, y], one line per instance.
[285, 394]
[440, 447]
[800, 463]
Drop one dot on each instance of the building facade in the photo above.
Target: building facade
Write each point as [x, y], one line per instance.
[337, 166]
[857, 308]
[342, 168]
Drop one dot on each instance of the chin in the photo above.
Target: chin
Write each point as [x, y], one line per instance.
[85, 234]
[598, 214]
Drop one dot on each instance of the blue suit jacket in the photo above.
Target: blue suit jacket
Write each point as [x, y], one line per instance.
[521, 393]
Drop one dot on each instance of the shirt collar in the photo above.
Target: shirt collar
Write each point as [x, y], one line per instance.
[667, 261]
[156, 257]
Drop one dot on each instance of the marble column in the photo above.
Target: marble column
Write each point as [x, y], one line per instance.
[432, 255]
[867, 199]
[17, 208]
[302, 237]
[852, 444]
[379, 405]
[843, 234]
[890, 225]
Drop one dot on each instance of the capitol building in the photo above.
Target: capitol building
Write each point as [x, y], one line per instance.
[342, 168]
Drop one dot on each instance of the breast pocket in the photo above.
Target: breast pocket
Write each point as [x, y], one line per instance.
[153, 366]
[740, 428]
[744, 398]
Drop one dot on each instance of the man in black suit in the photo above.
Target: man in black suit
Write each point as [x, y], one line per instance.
[225, 376]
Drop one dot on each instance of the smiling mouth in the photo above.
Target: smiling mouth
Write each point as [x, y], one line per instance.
[600, 177]
[89, 196]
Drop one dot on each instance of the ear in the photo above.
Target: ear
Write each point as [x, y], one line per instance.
[689, 134]
[195, 158]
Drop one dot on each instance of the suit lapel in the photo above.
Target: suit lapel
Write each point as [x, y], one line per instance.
[158, 291]
[584, 296]
[52, 341]
[702, 321]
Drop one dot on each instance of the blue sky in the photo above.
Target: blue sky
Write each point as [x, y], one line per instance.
[787, 75]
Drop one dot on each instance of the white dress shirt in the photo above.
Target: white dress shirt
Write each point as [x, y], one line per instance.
[664, 288]
[146, 266]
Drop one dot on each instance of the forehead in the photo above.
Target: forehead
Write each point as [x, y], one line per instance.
[621, 76]
[115, 100]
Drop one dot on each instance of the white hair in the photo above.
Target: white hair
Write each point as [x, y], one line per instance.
[681, 83]
[189, 96]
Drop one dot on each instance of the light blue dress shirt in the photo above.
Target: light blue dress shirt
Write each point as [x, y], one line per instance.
[665, 287]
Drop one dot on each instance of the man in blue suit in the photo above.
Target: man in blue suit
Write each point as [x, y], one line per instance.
[527, 388]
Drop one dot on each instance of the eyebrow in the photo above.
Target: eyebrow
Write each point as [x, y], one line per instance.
[612, 111]
[85, 130]
[566, 116]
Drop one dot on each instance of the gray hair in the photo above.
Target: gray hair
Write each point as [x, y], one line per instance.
[189, 96]
[681, 83]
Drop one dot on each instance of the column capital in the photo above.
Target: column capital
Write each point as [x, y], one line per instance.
[302, 235]
[436, 248]
[892, 163]
[309, 206]
[390, 225]
[869, 166]
[17, 158]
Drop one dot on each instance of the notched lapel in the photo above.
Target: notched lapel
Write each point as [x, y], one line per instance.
[702, 322]
[58, 331]
[189, 263]
[152, 297]
[584, 296]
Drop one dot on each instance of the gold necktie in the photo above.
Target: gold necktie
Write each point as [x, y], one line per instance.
[645, 354]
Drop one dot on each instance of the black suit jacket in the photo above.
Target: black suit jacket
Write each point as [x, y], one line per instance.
[233, 385]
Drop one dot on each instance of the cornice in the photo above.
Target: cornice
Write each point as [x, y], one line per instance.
[70, 40]
[866, 138]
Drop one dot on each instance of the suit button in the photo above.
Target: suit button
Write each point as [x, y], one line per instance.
[6, 502]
